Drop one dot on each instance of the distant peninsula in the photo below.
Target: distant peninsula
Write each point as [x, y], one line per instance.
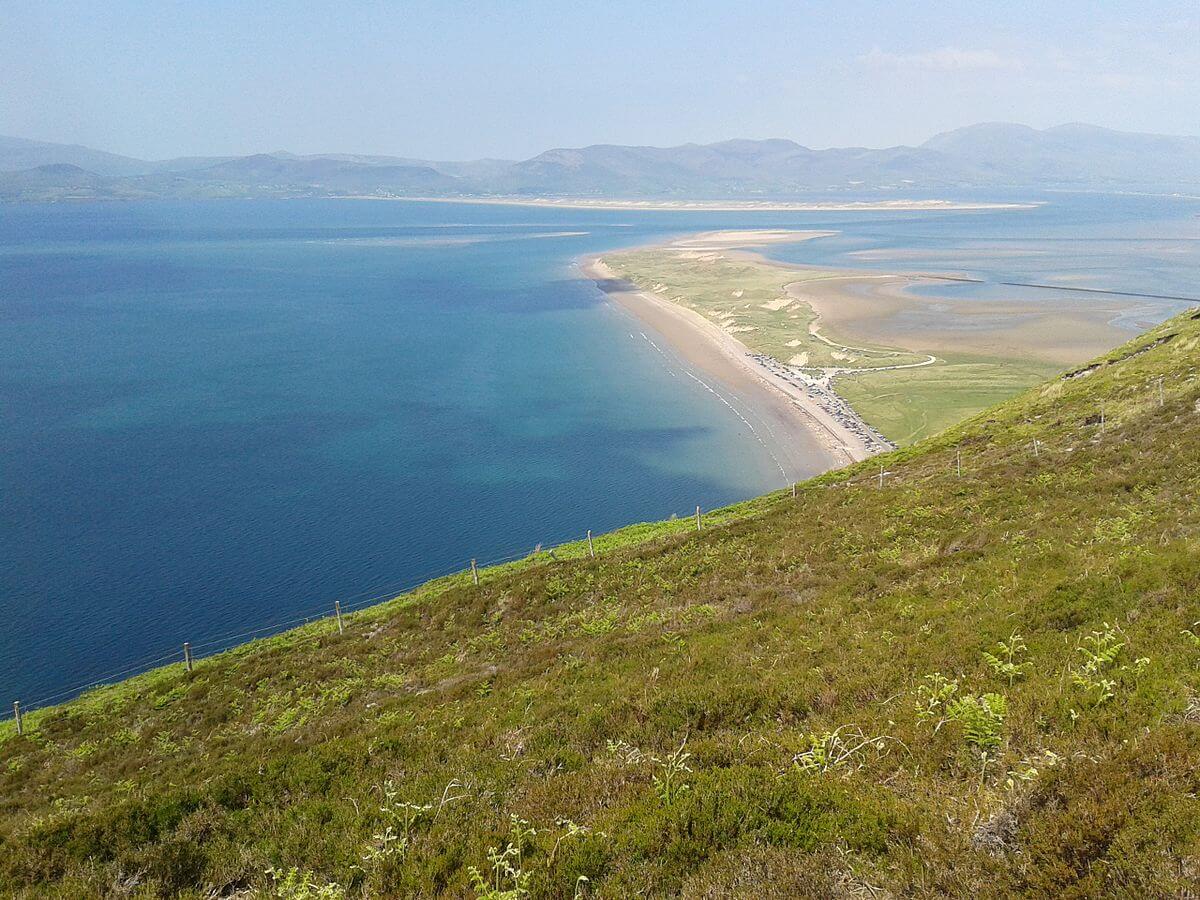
[729, 175]
[726, 205]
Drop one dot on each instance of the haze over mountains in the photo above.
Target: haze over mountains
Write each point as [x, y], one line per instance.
[990, 155]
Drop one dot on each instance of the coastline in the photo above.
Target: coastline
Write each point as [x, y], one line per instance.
[813, 428]
[713, 205]
[859, 361]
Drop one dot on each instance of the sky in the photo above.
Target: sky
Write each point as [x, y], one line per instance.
[457, 80]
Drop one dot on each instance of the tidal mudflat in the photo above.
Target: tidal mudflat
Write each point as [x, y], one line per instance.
[906, 362]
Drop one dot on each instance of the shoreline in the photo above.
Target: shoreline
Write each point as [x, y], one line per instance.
[858, 359]
[626, 205]
[814, 428]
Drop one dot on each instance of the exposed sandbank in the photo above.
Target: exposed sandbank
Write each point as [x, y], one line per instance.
[884, 309]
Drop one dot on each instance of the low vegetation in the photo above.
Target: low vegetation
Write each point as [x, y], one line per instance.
[907, 405]
[984, 684]
[748, 298]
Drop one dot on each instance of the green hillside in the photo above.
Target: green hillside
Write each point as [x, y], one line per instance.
[984, 684]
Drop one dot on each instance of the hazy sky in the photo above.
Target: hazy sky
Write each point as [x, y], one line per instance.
[453, 80]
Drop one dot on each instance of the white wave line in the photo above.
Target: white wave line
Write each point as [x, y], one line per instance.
[708, 387]
[738, 413]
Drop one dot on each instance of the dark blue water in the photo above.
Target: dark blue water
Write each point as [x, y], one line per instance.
[220, 416]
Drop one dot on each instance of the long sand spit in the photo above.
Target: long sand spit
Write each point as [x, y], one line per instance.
[812, 428]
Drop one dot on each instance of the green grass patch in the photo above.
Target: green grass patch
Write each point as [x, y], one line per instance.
[910, 404]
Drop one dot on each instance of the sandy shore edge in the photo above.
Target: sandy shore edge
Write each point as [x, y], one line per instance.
[817, 418]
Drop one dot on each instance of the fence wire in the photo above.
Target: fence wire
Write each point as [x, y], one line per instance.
[879, 480]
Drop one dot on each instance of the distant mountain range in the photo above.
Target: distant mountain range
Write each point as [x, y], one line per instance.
[992, 155]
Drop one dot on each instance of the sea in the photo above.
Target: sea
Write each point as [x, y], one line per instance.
[220, 417]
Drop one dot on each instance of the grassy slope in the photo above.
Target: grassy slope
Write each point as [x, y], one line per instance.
[548, 692]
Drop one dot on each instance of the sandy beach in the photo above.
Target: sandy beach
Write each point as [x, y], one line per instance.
[802, 432]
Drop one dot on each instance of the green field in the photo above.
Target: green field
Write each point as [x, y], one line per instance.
[909, 404]
[983, 685]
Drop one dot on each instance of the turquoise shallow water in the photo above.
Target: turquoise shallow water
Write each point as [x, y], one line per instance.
[219, 416]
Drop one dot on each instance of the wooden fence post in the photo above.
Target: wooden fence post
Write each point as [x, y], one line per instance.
[337, 611]
[591, 549]
[474, 572]
[17, 716]
[698, 525]
[958, 461]
[187, 655]
[1161, 399]
[793, 490]
[881, 475]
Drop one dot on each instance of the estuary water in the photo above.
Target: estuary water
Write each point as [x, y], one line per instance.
[218, 416]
